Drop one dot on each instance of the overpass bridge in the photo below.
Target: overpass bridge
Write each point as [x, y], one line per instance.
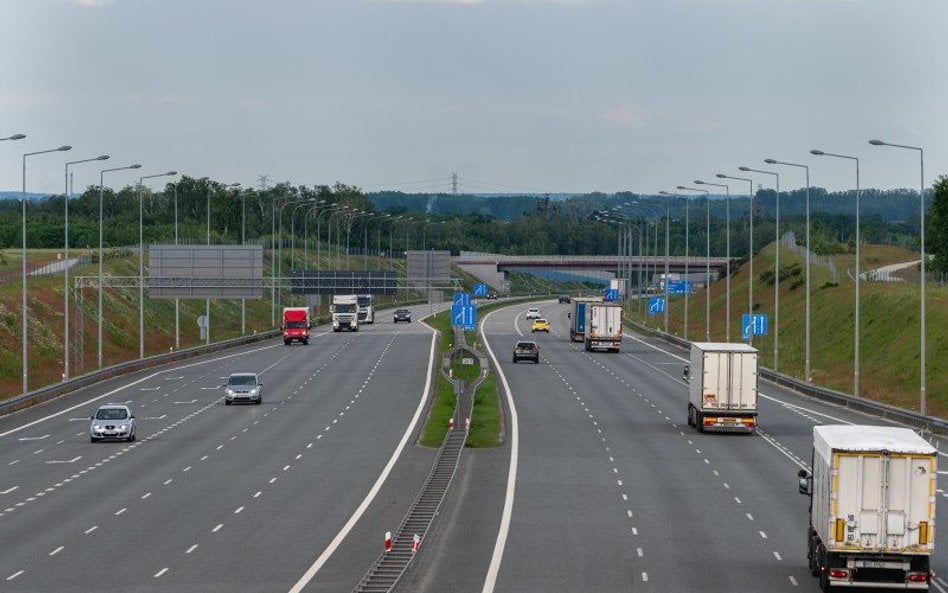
[493, 268]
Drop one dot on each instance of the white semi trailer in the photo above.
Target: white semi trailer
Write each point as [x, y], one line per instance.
[722, 390]
[872, 507]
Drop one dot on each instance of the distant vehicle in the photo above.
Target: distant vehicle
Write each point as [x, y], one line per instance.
[722, 387]
[296, 325]
[366, 308]
[402, 315]
[540, 325]
[345, 312]
[564, 298]
[526, 350]
[603, 327]
[533, 313]
[872, 507]
[112, 422]
[243, 387]
[491, 296]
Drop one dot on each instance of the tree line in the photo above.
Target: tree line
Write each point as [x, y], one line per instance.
[514, 225]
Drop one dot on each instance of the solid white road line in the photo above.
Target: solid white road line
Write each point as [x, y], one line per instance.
[337, 541]
[490, 581]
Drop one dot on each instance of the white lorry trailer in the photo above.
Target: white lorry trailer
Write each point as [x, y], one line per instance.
[603, 327]
[872, 507]
[722, 387]
[345, 312]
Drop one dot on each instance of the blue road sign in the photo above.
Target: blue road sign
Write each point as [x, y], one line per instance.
[464, 315]
[679, 287]
[611, 294]
[656, 305]
[461, 298]
[480, 290]
[755, 324]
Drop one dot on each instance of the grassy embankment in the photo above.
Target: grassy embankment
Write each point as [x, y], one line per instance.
[889, 364]
[120, 317]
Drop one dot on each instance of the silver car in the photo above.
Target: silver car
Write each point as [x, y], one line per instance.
[112, 421]
[243, 387]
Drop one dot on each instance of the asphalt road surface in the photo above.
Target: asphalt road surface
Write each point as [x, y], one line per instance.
[222, 498]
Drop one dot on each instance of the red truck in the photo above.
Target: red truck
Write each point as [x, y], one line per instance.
[295, 325]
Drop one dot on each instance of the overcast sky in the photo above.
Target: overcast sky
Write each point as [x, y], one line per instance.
[537, 95]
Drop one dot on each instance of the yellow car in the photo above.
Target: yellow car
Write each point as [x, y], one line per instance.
[540, 325]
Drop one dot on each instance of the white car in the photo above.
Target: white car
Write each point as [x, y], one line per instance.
[533, 313]
[112, 422]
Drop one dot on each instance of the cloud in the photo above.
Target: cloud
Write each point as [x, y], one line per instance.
[628, 115]
[89, 3]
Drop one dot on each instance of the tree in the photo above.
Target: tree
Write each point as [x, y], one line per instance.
[937, 223]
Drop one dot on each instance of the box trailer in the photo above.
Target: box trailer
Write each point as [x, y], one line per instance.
[722, 387]
[577, 318]
[872, 507]
[296, 325]
[603, 326]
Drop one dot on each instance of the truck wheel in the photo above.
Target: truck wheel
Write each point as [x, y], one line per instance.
[286, 342]
[699, 421]
[306, 342]
[811, 557]
[691, 421]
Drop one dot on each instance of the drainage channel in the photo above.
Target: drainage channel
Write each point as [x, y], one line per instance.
[393, 563]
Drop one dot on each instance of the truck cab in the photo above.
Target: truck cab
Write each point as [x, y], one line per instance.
[295, 325]
[345, 312]
[366, 308]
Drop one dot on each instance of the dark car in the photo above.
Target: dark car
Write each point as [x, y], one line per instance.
[565, 299]
[526, 350]
[402, 315]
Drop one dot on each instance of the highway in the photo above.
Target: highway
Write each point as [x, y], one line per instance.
[215, 498]
[600, 484]
[614, 492]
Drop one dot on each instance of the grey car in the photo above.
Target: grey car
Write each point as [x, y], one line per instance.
[402, 315]
[243, 387]
[112, 422]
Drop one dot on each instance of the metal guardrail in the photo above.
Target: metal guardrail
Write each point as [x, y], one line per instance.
[908, 417]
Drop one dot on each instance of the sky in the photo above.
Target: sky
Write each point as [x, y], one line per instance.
[512, 95]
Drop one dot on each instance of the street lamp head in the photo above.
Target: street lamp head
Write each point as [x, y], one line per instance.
[681, 187]
[171, 173]
[64, 148]
[103, 157]
[721, 176]
[135, 166]
[817, 152]
[771, 161]
[699, 182]
[16, 137]
[743, 168]
[877, 143]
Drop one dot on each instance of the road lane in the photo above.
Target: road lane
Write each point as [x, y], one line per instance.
[217, 498]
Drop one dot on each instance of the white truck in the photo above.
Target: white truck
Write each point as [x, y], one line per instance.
[366, 308]
[722, 387]
[603, 326]
[872, 507]
[345, 312]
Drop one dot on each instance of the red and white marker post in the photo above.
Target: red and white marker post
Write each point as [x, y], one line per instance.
[415, 544]
[388, 541]
[451, 423]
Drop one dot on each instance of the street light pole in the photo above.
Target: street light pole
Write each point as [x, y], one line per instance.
[750, 268]
[25, 311]
[856, 353]
[727, 255]
[66, 262]
[776, 263]
[141, 262]
[707, 279]
[807, 367]
[921, 207]
[101, 252]
[687, 284]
